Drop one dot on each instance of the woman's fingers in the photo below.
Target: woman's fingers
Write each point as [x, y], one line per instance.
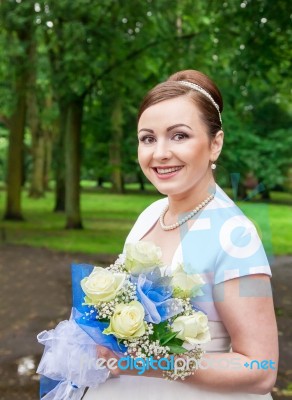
[102, 351]
[110, 360]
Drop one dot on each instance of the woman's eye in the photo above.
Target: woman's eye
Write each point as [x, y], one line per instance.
[147, 139]
[180, 136]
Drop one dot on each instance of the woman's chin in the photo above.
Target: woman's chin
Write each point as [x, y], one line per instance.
[168, 191]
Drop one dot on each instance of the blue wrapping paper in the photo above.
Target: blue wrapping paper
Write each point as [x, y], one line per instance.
[63, 377]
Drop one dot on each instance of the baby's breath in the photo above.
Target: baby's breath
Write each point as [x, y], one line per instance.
[145, 346]
[119, 264]
[195, 354]
[107, 308]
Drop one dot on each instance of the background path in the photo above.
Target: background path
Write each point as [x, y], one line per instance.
[35, 294]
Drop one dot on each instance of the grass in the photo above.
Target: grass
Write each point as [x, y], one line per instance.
[108, 218]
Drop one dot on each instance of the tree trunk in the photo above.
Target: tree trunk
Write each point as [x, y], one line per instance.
[37, 189]
[99, 182]
[48, 158]
[15, 153]
[141, 181]
[33, 119]
[51, 130]
[19, 26]
[266, 195]
[59, 157]
[115, 147]
[72, 165]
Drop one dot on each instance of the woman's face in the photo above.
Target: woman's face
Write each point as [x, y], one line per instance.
[174, 149]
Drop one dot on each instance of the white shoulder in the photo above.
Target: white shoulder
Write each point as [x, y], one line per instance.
[153, 208]
[146, 220]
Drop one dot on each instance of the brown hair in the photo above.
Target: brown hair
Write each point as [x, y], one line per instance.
[171, 89]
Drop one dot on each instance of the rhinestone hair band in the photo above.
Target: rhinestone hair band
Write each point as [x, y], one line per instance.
[204, 92]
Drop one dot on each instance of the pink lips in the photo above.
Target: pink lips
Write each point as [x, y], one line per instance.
[166, 176]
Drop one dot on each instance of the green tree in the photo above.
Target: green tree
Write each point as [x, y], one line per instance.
[18, 28]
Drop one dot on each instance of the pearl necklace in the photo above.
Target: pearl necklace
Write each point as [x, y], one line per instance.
[185, 219]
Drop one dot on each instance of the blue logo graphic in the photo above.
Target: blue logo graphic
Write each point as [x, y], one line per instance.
[264, 364]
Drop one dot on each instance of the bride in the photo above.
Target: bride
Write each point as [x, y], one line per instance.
[180, 138]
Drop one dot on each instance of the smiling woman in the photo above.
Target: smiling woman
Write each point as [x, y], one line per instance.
[176, 156]
[201, 231]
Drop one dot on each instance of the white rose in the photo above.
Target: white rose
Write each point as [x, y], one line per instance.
[127, 321]
[102, 285]
[142, 255]
[193, 328]
[186, 285]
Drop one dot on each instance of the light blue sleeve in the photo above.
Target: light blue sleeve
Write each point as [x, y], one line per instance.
[241, 251]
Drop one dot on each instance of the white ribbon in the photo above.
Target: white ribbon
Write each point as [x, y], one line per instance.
[69, 357]
[65, 391]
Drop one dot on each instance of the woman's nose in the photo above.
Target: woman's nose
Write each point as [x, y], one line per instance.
[161, 151]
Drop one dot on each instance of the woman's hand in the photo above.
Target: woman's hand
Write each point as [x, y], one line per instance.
[108, 359]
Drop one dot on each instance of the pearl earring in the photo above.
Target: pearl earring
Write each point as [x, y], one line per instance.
[213, 166]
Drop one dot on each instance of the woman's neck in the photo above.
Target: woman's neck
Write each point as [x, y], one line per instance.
[185, 202]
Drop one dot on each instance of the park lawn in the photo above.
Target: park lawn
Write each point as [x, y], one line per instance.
[108, 218]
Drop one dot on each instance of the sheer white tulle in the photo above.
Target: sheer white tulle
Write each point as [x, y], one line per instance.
[69, 357]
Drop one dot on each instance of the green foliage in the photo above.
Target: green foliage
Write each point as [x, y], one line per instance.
[162, 333]
[106, 50]
[17, 27]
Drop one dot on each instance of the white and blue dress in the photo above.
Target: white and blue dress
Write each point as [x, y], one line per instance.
[221, 244]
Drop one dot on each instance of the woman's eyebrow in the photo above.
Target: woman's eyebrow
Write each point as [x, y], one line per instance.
[168, 129]
[147, 130]
[176, 126]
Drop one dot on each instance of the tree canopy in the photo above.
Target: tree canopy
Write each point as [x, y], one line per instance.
[74, 72]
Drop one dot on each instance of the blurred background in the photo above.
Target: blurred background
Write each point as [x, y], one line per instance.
[72, 76]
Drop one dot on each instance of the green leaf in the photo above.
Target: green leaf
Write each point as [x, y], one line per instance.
[167, 337]
[175, 346]
[176, 349]
[103, 319]
[159, 329]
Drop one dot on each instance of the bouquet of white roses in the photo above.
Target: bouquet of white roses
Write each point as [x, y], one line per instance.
[137, 311]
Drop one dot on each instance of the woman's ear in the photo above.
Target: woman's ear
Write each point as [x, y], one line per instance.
[216, 145]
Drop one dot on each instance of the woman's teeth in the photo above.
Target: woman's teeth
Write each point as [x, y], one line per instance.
[167, 170]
